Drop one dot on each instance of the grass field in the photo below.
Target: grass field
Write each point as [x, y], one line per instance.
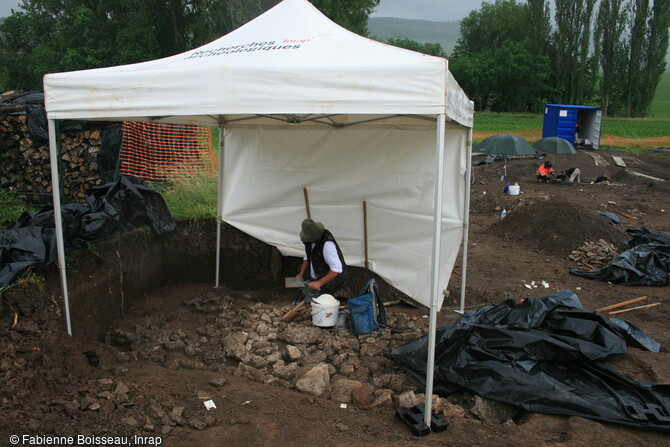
[660, 108]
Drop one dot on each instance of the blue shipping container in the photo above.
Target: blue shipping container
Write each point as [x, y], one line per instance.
[564, 121]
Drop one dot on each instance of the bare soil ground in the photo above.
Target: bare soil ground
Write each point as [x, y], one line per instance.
[48, 388]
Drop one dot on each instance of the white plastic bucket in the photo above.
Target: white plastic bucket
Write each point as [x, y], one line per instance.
[514, 189]
[325, 309]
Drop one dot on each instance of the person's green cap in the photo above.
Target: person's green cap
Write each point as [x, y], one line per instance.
[311, 231]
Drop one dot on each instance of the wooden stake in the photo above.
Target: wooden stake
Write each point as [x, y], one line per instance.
[123, 298]
[621, 304]
[629, 216]
[365, 232]
[309, 213]
[634, 308]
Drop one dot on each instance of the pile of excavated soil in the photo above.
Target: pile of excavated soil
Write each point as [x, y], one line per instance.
[555, 226]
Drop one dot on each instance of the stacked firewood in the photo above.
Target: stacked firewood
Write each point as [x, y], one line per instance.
[79, 154]
[24, 158]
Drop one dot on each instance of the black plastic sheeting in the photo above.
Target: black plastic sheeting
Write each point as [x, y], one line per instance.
[609, 218]
[645, 261]
[38, 124]
[112, 209]
[543, 355]
[641, 235]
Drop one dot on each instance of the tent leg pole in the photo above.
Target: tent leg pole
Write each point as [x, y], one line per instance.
[466, 220]
[435, 272]
[219, 208]
[60, 243]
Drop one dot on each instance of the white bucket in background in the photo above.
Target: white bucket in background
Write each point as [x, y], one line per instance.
[514, 189]
[325, 309]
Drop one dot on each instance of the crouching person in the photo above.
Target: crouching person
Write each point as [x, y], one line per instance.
[545, 172]
[323, 266]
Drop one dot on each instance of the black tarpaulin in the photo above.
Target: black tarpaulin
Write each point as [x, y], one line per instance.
[112, 209]
[610, 218]
[645, 261]
[544, 355]
[641, 235]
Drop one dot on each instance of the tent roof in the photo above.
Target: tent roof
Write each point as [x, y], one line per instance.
[290, 60]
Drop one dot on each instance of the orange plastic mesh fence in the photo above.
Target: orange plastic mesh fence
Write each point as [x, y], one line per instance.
[157, 151]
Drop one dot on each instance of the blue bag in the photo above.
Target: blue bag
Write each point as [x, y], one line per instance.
[367, 310]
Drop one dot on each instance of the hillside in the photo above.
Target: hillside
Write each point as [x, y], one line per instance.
[444, 33]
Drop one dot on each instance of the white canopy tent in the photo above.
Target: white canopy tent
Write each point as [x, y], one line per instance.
[304, 104]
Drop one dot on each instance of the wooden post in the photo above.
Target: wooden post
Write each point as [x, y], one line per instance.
[629, 216]
[365, 232]
[309, 213]
[646, 306]
[621, 304]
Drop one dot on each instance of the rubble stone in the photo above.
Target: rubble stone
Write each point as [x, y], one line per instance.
[251, 372]
[293, 352]
[121, 388]
[407, 399]
[383, 399]
[492, 411]
[315, 381]
[362, 396]
[343, 389]
[130, 421]
[302, 336]
[89, 403]
[286, 372]
[197, 423]
[218, 381]
[450, 410]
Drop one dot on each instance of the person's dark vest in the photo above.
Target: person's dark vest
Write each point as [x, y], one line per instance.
[321, 268]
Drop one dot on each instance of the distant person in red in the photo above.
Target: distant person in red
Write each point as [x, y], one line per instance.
[578, 131]
[545, 172]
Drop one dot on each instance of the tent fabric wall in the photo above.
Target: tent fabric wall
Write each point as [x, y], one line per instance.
[390, 164]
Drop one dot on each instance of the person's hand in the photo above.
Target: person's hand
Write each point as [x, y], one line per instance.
[314, 285]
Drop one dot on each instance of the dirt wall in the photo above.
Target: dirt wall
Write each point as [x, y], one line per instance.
[105, 279]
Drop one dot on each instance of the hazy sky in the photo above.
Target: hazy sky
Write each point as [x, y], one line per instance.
[437, 10]
[6, 7]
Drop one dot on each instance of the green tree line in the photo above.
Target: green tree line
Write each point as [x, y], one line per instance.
[607, 53]
[49, 36]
